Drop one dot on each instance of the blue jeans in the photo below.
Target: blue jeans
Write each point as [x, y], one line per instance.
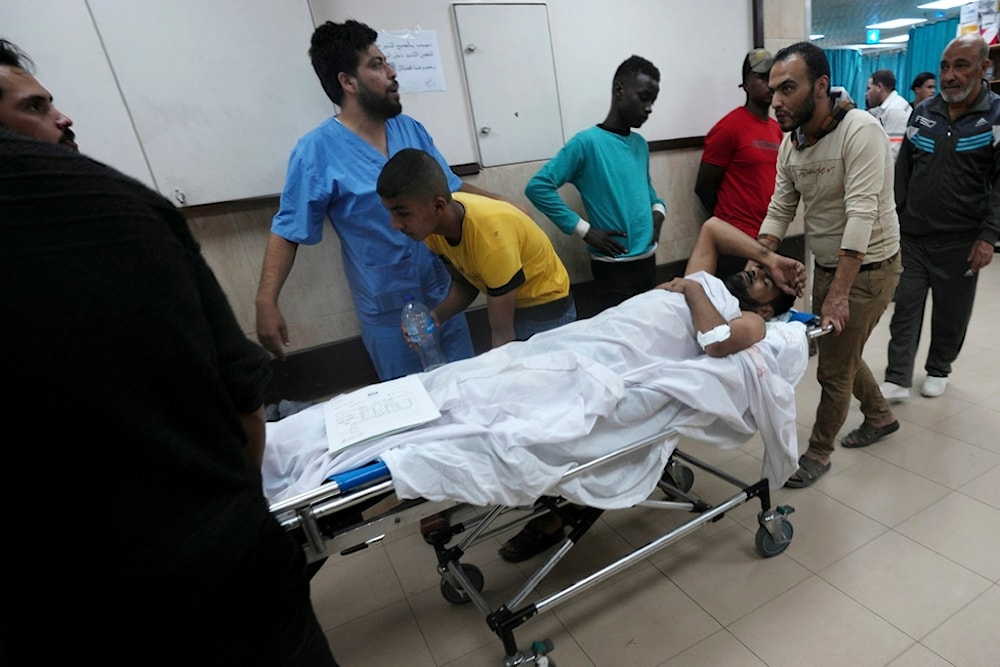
[525, 329]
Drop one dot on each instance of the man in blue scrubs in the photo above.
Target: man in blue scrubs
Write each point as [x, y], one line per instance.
[332, 173]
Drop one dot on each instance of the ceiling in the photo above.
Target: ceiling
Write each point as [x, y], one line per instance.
[843, 21]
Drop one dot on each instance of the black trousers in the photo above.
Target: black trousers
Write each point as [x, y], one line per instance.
[615, 282]
[939, 268]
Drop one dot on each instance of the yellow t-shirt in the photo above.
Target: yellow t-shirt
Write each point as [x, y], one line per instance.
[501, 250]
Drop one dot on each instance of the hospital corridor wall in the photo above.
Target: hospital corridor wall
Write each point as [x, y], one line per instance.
[181, 95]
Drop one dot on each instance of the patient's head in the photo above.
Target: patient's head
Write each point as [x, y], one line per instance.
[757, 292]
[413, 187]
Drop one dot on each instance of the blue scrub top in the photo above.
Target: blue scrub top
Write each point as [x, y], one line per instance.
[332, 173]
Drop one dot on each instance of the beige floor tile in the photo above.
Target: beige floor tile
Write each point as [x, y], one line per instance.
[601, 546]
[962, 529]
[640, 525]
[364, 579]
[453, 630]
[817, 625]
[931, 454]
[726, 576]
[565, 650]
[415, 564]
[990, 400]
[905, 583]
[641, 622]
[985, 488]
[919, 655]
[363, 640]
[825, 529]
[882, 491]
[928, 412]
[719, 649]
[970, 637]
[977, 425]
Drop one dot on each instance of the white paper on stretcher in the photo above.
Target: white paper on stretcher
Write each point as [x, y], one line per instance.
[376, 411]
[514, 419]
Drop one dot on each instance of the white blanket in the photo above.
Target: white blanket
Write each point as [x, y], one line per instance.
[516, 418]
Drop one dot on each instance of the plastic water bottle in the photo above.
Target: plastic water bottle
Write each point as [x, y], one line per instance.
[419, 326]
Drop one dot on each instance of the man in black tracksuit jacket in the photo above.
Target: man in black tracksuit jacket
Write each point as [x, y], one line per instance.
[948, 199]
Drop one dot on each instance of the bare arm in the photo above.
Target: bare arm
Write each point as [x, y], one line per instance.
[719, 237]
[460, 295]
[744, 330]
[472, 189]
[835, 309]
[254, 426]
[501, 313]
[272, 332]
[707, 185]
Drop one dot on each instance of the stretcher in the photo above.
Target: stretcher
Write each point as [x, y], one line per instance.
[327, 519]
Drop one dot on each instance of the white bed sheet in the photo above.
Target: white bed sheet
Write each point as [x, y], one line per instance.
[515, 419]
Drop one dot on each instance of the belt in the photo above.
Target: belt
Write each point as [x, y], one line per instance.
[864, 267]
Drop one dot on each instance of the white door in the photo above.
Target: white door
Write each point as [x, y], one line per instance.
[511, 79]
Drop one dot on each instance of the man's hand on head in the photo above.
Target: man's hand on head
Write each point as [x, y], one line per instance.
[789, 274]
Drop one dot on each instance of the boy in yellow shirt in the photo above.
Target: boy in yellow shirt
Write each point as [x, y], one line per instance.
[488, 246]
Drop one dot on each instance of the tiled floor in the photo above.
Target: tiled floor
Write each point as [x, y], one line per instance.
[895, 558]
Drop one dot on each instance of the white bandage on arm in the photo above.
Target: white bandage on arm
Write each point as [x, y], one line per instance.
[582, 227]
[712, 336]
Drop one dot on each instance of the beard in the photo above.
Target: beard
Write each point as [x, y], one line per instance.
[377, 106]
[961, 95]
[738, 285]
[802, 116]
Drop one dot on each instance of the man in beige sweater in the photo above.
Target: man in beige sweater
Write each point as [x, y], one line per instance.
[835, 159]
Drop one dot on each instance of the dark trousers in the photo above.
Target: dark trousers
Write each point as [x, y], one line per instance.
[615, 282]
[938, 267]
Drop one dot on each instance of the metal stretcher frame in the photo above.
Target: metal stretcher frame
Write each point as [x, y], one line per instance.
[327, 521]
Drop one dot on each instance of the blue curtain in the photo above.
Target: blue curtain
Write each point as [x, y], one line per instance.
[850, 69]
[923, 51]
[847, 70]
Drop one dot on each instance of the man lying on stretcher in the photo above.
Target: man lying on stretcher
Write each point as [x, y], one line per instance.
[765, 289]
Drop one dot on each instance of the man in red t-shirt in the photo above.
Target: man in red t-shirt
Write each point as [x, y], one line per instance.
[737, 173]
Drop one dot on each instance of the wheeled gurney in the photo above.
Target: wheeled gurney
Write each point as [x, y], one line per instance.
[327, 521]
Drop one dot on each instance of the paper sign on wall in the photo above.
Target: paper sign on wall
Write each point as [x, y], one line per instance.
[415, 57]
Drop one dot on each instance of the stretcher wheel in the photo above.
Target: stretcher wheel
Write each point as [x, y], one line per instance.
[767, 547]
[685, 477]
[456, 596]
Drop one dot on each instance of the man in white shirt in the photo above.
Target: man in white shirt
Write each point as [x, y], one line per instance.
[888, 106]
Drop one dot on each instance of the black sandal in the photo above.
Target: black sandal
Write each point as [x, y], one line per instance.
[527, 543]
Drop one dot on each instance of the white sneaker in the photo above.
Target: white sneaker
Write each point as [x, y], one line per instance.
[933, 387]
[893, 392]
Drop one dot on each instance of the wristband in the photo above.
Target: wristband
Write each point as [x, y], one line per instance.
[582, 227]
[712, 336]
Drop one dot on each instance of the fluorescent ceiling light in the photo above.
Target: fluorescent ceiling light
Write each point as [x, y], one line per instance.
[895, 23]
[815, 37]
[865, 46]
[895, 40]
[943, 4]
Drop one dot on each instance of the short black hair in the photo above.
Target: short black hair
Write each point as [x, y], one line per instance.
[921, 79]
[11, 55]
[635, 65]
[334, 48]
[885, 77]
[413, 174]
[816, 61]
[780, 304]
